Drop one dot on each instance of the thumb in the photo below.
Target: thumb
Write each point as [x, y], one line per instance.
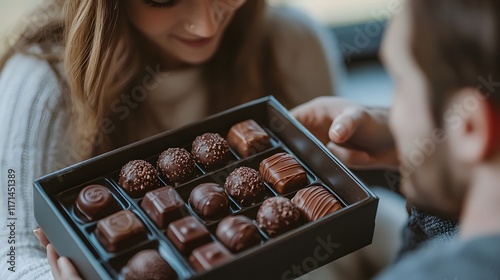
[345, 125]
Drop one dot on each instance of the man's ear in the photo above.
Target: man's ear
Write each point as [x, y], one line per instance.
[472, 137]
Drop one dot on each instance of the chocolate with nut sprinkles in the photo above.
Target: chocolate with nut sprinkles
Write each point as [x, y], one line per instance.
[138, 177]
[148, 265]
[209, 200]
[211, 150]
[238, 233]
[95, 202]
[176, 164]
[283, 172]
[208, 256]
[277, 215]
[315, 202]
[245, 185]
[248, 138]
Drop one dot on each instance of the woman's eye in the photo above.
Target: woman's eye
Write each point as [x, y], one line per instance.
[161, 3]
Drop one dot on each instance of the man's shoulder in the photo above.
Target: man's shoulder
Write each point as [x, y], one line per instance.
[477, 258]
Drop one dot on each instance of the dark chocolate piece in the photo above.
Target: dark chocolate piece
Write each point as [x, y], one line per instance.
[278, 215]
[209, 200]
[138, 177]
[248, 138]
[148, 265]
[95, 202]
[315, 202]
[283, 172]
[238, 233]
[187, 234]
[208, 256]
[211, 150]
[119, 230]
[245, 185]
[163, 206]
[176, 164]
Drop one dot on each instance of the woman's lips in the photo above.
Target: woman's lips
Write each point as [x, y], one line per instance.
[195, 43]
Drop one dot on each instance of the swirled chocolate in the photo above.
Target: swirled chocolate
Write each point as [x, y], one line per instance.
[148, 265]
[245, 185]
[208, 256]
[95, 202]
[315, 202]
[117, 231]
[187, 234]
[138, 177]
[209, 200]
[163, 206]
[277, 215]
[211, 150]
[238, 233]
[283, 172]
[248, 138]
[176, 164]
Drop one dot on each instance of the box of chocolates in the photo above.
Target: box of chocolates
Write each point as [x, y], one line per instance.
[245, 194]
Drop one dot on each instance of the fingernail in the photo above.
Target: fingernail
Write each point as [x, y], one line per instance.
[35, 232]
[339, 130]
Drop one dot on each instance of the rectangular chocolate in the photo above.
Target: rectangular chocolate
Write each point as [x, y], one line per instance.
[163, 206]
[120, 229]
[248, 138]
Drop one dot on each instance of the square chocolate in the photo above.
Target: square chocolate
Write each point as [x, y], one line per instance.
[248, 138]
[163, 206]
[283, 173]
[119, 230]
[208, 256]
[187, 234]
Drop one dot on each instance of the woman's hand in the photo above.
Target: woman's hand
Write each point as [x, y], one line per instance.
[358, 136]
[61, 267]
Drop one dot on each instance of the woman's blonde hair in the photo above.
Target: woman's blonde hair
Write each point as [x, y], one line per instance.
[94, 42]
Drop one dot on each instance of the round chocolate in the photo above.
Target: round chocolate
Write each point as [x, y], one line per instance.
[278, 215]
[209, 200]
[245, 185]
[210, 150]
[138, 177]
[95, 202]
[238, 233]
[315, 202]
[176, 164]
[148, 265]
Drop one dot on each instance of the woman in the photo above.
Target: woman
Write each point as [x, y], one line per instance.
[92, 75]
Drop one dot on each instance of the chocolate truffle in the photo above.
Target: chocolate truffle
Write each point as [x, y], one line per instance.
[176, 164]
[148, 265]
[208, 256]
[211, 150]
[119, 230]
[245, 185]
[138, 177]
[278, 215]
[95, 202]
[248, 138]
[209, 200]
[283, 172]
[163, 206]
[315, 202]
[238, 233]
[187, 234]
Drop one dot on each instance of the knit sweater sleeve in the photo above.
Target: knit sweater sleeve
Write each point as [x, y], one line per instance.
[33, 121]
[307, 55]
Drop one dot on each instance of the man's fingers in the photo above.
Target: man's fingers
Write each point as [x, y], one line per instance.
[351, 158]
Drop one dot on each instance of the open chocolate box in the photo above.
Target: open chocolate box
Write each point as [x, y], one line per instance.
[285, 256]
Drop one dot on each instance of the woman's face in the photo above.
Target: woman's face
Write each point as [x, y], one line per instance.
[182, 31]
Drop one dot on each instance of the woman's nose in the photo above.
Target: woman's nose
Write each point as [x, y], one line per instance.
[205, 18]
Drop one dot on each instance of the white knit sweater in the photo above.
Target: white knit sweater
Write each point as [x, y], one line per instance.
[34, 119]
